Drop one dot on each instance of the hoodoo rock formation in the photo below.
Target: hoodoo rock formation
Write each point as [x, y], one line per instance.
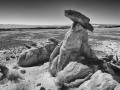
[74, 64]
[75, 43]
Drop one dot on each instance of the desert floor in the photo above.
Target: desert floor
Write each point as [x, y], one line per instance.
[102, 40]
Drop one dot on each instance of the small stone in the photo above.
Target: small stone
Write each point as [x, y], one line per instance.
[34, 44]
[23, 71]
[12, 56]
[27, 46]
[17, 56]
[7, 58]
[39, 84]
[5, 52]
[42, 88]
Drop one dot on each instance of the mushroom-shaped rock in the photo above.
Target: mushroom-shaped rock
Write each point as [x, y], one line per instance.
[76, 40]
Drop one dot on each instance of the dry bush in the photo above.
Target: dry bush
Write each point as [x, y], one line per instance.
[14, 76]
[19, 86]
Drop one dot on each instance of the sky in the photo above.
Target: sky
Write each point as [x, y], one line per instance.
[51, 12]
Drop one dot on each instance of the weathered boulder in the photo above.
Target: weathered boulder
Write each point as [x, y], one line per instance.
[36, 55]
[30, 57]
[73, 74]
[117, 87]
[99, 81]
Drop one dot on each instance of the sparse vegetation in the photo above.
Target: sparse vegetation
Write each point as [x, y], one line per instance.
[14, 76]
[19, 86]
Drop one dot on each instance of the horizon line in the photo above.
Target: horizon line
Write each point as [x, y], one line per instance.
[57, 24]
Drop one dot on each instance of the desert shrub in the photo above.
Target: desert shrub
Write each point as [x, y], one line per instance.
[14, 76]
[19, 86]
[3, 74]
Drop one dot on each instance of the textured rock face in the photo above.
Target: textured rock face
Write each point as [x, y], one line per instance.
[53, 66]
[54, 53]
[30, 57]
[74, 63]
[74, 41]
[72, 72]
[36, 55]
[117, 87]
[76, 16]
[99, 81]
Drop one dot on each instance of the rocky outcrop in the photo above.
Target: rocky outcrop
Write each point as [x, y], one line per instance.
[74, 45]
[37, 55]
[74, 64]
[99, 81]
[73, 74]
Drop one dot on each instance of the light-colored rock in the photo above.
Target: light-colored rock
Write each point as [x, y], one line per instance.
[73, 71]
[30, 57]
[99, 81]
[36, 55]
[75, 39]
[75, 42]
[117, 87]
[54, 53]
[53, 66]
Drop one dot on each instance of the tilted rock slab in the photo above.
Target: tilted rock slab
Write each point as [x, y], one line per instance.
[99, 81]
[76, 16]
